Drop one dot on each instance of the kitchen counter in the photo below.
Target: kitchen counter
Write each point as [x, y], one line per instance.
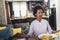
[25, 20]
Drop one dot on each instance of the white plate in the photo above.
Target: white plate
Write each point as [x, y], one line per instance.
[53, 35]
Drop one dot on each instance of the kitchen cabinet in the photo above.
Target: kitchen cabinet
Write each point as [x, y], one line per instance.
[32, 4]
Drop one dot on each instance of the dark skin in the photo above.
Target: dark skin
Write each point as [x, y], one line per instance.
[38, 16]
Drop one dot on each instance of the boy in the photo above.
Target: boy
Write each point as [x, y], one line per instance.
[39, 25]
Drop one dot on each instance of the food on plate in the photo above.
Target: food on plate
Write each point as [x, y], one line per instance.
[46, 37]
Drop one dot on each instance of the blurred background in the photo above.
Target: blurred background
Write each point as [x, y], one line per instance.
[17, 15]
[14, 12]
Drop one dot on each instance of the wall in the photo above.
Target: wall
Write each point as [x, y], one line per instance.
[58, 14]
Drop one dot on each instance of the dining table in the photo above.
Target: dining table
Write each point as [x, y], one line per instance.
[22, 36]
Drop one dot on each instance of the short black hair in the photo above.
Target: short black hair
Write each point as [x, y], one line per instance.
[37, 8]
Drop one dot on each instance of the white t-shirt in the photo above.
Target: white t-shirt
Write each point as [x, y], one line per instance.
[38, 28]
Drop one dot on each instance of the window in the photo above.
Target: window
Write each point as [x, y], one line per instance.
[16, 8]
[19, 8]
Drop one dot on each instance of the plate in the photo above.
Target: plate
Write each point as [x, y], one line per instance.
[52, 35]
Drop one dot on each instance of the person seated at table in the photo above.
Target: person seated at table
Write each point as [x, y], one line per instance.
[39, 25]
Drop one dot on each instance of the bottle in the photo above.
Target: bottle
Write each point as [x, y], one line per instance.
[26, 13]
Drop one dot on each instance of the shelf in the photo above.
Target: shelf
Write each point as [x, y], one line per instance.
[30, 17]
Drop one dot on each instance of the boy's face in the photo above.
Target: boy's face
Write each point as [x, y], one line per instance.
[39, 13]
